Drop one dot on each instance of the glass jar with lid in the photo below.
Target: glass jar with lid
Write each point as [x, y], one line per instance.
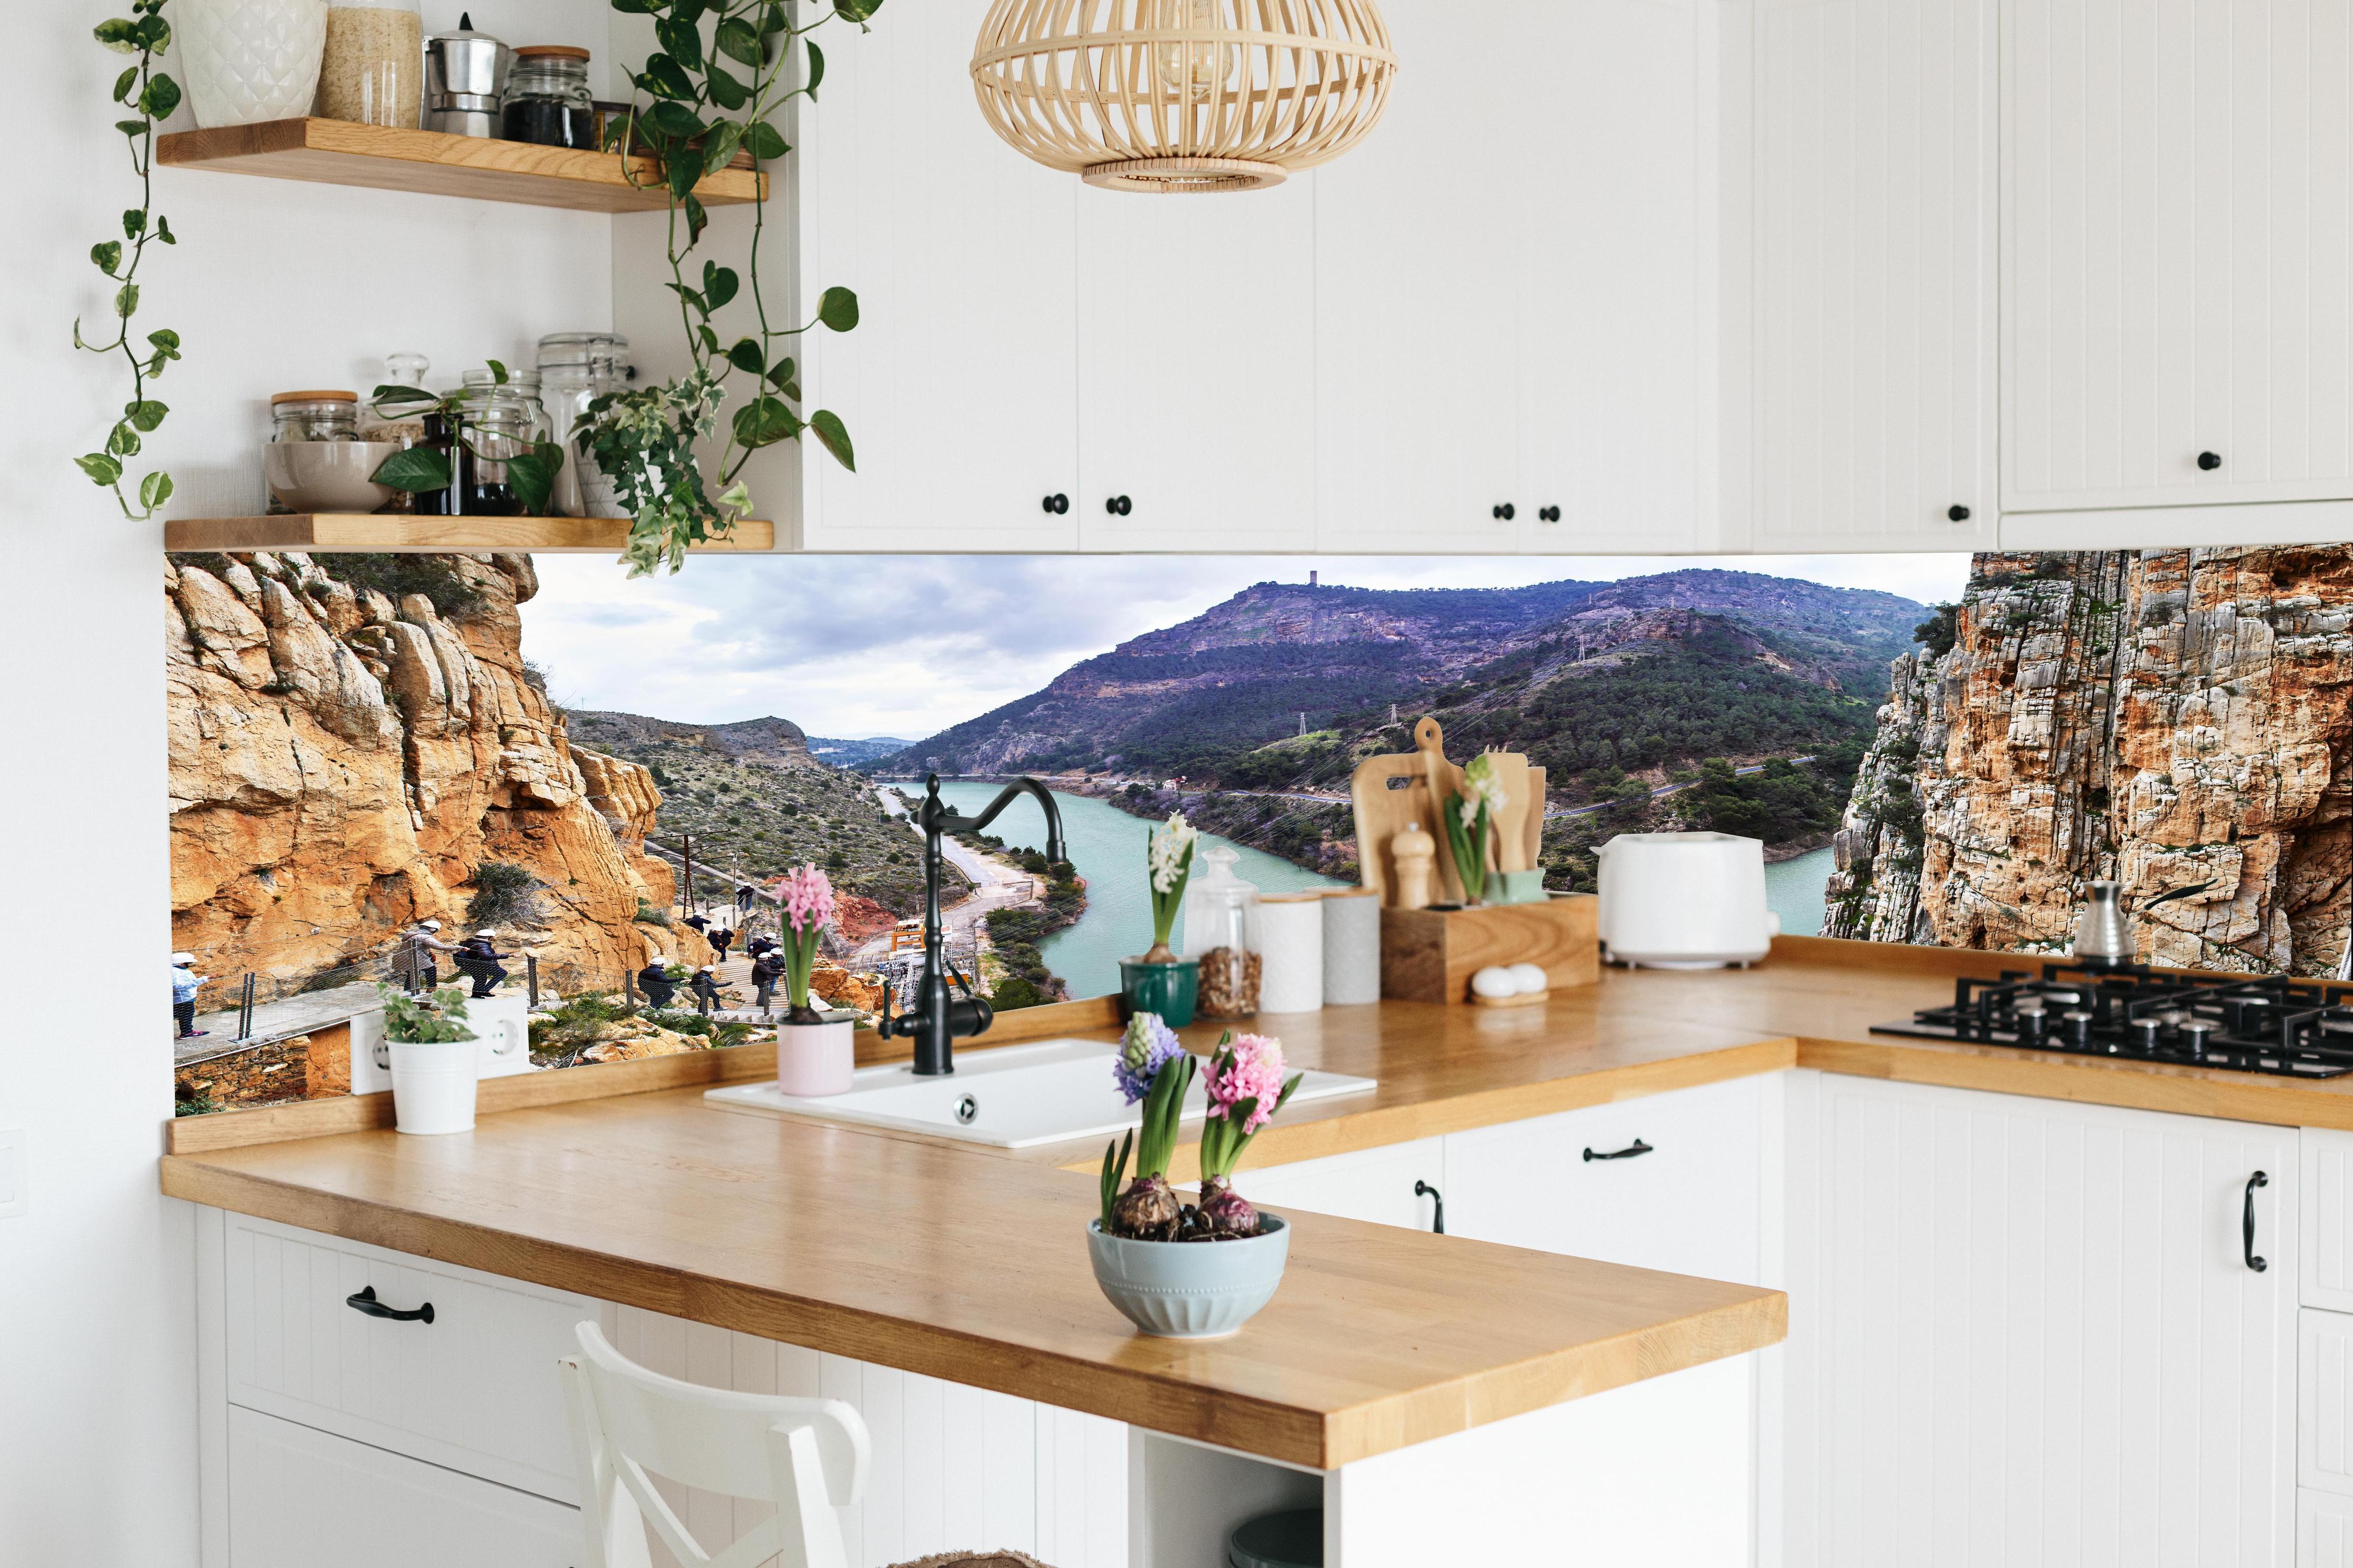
[373, 71]
[1221, 931]
[314, 416]
[547, 98]
[497, 422]
[398, 422]
[574, 370]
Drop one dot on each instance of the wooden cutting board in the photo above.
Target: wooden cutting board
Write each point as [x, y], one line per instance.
[1393, 790]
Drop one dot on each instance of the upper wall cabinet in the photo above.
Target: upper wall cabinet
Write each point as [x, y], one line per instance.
[1872, 407]
[2177, 269]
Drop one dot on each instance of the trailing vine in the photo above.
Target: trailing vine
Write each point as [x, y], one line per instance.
[700, 115]
[152, 96]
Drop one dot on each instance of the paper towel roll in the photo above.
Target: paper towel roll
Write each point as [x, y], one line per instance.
[1352, 947]
[1291, 944]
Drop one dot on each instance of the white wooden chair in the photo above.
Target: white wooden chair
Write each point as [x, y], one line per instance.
[807, 1456]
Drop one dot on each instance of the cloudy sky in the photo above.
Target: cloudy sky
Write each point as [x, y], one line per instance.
[906, 646]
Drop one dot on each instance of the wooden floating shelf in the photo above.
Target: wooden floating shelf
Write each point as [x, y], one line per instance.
[355, 533]
[339, 153]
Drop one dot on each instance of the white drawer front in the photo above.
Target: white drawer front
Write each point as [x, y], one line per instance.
[1375, 1184]
[300, 1499]
[2323, 1531]
[2326, 1276]
[475, 1389]
[1688, 1203]
[2324, 1401]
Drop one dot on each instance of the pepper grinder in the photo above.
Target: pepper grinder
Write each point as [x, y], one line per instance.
[2104, 935]
[1415, 853]
[465, 76]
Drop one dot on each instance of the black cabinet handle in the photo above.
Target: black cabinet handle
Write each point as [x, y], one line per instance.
[1438, 1219]
[2209, 461]
[1549, 513]
[1506, 512]
[1628, 1152]
[1119, 506]
[365, 1301]
[2247, 1225]
[1957, 513]
[1056, 504]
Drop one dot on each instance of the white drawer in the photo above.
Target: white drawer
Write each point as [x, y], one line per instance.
[475, 1389]
[2324, 1401]
[1375, 1184]
[2325, 1275]
[298, 1498]
[2323, 1531]
[1683, 1193]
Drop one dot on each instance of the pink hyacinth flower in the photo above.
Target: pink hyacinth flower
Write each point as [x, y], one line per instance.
[1255, 1072]
[808, 900]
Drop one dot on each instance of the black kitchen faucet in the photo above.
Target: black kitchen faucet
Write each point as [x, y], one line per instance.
[936, 1019]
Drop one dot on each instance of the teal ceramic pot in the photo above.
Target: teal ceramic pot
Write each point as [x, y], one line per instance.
[1190, 1289]
[1167, 989]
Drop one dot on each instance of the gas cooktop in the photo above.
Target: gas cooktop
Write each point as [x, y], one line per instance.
[2296, 1028]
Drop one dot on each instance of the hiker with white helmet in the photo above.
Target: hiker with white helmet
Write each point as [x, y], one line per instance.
[706, 991]
[419, 943]
[654, 981]
[185, 982]
[478, 960]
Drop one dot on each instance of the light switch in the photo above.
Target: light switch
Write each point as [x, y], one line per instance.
[12, 1172]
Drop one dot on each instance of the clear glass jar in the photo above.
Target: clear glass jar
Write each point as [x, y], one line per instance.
[497, 422]
[574, 370]
[314, 416]
[547, 98]
[522, 383]
[374, 69]
[1221, 931]
[393, 427]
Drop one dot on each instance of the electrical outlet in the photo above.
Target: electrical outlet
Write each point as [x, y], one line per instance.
[12, 1195]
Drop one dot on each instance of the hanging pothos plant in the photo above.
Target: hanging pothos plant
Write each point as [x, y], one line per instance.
[705, 95]
[151, 96]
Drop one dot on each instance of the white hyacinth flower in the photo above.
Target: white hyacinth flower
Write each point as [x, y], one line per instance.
[1169, 843]
[1486, 786]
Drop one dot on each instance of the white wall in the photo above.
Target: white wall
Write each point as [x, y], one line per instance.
[273, 285]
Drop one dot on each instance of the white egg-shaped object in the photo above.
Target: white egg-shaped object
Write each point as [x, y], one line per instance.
[1495, 981]
[1527, 979]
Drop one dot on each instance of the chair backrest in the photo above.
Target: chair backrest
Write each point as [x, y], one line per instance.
[807, 1456]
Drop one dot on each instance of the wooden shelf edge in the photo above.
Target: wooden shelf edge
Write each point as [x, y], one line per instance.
[339, 153]
[350, 533]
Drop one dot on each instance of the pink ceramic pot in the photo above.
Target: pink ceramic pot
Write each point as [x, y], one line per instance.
[815, 1058]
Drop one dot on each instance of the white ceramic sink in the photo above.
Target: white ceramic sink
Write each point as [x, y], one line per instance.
[1013, 1097]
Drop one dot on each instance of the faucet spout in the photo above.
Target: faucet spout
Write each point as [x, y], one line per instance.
[937, 1018]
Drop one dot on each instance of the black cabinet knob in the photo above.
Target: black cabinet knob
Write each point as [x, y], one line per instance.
[1549, 513]
[1506, 512]
[1957, 513]
[1119, 506]
[2209, 461]
[1056, 504]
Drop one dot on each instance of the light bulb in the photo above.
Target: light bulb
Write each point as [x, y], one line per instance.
[1193, 71]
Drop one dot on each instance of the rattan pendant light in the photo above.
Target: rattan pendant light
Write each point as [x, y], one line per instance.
[1183, 95]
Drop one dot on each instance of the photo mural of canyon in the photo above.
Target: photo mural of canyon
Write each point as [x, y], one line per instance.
[2176, 721]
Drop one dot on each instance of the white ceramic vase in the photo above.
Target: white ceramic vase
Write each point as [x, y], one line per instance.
[433, 1086]
[814, 1059]
[244, 61]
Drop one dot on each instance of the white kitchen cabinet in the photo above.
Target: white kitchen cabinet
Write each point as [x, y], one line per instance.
[300, 1498]
[2324, 1401]
[1373, 1185]
[2326, 1279]
[2323, 1531]
[1871, 396]
[1669, 1181]
[2178, 277]
[2026, 1331]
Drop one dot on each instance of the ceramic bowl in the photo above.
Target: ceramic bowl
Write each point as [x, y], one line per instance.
[327, 476]
[1190, 1289]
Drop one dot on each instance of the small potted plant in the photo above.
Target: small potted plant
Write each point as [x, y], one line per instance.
[1470, 822]
[434, 1059]
[815, 1056]
[1160, 982]
[1143, 1241]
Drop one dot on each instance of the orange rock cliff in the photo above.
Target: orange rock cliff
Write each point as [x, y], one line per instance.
[340, 764]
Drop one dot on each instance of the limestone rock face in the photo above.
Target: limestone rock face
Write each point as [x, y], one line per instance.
[340, 764]
[2180, 722]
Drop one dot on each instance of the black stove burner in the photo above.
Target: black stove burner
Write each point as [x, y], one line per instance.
[2296, 1028]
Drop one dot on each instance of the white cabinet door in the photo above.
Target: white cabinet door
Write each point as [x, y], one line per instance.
[2179, 236]
[298, 1498]
[2324, 1402]
[2327, 1276]
[1872, 397]
[2323, 1531]
[1373, 1185]
[1669, 1181]
[958, 385]
[2024, 1331]
[1612, 231]
[1196, 361]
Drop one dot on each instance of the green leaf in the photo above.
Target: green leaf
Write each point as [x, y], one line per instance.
[122, 440]
[163, 231]
[856, 10]
[119, 34]
[838, 309]
[675, 120]
[134, 129]
[166, 342]
[718, 284]
[768, 143]
[161, 97]
[681, 40]
[740, 42]
[106, 258]
[414, 469]
[134, 222]
[126, 300]
[146, 413]
[816, 66]
[498, 371]
[682, 174]
[393, 400]
[153, 32]
[835, 436]
[720, 150]
[155, 490]
[782, 372]
[773, 20]
[697, 219]
[664, 77]
[533, 475]
[710, 338]
[726, 92]
[101, 468]
[747, 356]
[124, 83]
[792, 390]
[764, 422]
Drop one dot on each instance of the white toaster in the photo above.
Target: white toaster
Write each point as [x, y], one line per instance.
[1684, 900]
